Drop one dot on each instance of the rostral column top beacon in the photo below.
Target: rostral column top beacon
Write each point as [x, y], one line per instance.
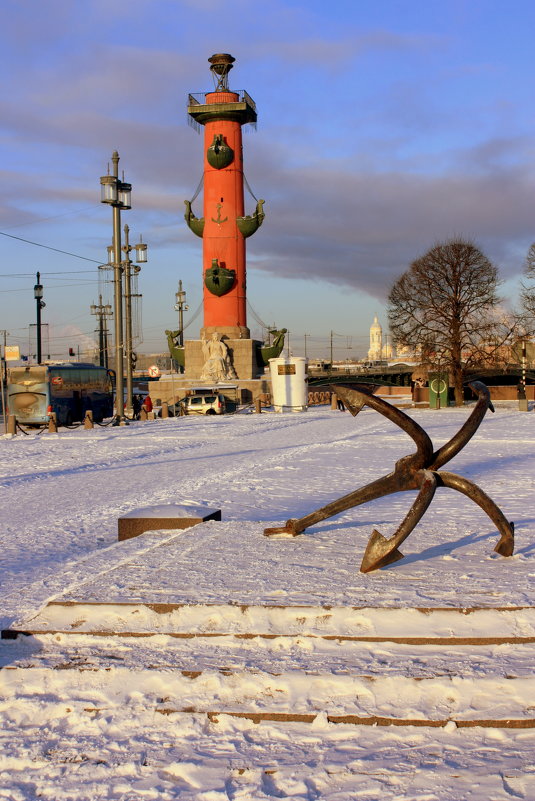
[223, 227]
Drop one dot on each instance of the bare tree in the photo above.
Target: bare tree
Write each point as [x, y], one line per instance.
[446, 305]
[528, 287]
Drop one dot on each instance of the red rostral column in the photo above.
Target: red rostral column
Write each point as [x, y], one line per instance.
[223, 227]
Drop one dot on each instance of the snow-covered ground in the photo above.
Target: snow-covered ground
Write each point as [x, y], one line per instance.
[107, 717]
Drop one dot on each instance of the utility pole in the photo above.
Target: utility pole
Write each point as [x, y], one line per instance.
[40, 304]
[4, 381]
[180, 307]
[102, 312]
[306, 335]
[331, 351]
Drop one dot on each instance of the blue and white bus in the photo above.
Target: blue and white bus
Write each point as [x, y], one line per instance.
[69, 390]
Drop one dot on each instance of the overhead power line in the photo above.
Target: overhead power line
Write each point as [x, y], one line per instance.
[55, 216]
[47, 273]
[48, 247]
[80, 283]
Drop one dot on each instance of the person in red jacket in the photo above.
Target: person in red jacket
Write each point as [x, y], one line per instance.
[147, 404]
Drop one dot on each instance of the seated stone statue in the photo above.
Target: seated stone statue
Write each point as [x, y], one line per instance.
[217, 365]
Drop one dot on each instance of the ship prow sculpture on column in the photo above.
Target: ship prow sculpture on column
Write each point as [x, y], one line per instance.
[417, 471]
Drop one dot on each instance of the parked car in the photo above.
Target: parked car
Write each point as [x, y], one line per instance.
[198, 403]
[205, 404]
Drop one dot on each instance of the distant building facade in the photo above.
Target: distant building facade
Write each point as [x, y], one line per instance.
[379, 350]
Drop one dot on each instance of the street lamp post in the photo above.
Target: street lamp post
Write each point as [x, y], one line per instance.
[180, 307]
[117, 194]
[524, 366]
[3, 380]
[102, 311]
[40, 304]
[306, 335]
[128, 267]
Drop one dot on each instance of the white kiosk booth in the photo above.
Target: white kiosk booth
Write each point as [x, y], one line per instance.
[289, 383]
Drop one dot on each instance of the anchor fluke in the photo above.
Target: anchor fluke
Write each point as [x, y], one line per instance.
[353, 399]
[506, 544]
[291, 528]
[379, 552]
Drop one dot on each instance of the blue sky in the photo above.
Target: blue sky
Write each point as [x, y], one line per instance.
[384, 126]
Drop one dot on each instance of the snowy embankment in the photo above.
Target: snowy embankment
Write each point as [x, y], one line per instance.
[246, 629]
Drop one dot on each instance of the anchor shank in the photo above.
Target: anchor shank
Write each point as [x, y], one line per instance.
[377, 489]
[418, 509]
[356, 399]
[381, 551]
[467, 431]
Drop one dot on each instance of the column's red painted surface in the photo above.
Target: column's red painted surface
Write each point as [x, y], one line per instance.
[223, 202]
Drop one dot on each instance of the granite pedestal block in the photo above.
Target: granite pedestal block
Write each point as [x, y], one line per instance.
[243, 356]
[163, 516]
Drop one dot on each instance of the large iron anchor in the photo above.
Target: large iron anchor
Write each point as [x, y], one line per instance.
[418, 471]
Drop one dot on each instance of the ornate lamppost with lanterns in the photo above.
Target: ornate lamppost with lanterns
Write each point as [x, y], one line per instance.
[117, 194]
[130, 269]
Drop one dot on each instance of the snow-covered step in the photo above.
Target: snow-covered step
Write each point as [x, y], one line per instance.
[274, 655]
[295, 695]
[374, 624]
[341, 696]
[277, 654]
[277, 679]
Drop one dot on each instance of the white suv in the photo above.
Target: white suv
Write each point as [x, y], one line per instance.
[205, 404]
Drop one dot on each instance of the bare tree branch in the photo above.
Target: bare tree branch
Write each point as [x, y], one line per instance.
[527, 293]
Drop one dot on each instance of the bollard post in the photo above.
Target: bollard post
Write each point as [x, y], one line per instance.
[88, 419]
[151, 416]
[143, 414]
[11, 424]
[258, 405]
[165, 409]
[52, 423]
[334, 401]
